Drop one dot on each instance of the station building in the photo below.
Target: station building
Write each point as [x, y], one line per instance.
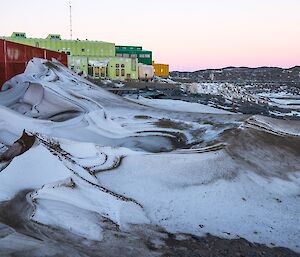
[105, 67]
[95, 58]
[143, 56]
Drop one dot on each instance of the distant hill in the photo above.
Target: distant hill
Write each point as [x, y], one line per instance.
[242, 74]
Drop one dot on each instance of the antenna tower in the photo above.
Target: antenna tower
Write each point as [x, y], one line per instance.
[71, 30]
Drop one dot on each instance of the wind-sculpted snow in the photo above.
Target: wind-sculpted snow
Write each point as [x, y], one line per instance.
[99, 155]
[60, 101]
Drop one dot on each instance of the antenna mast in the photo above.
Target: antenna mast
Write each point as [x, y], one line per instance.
[71, 31]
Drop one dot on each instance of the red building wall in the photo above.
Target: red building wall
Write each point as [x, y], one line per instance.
[14, 58]
[2, 64]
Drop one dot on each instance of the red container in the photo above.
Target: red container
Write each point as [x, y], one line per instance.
[14, 58]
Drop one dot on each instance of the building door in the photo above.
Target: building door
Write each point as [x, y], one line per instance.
[96, 72]
[103, 72]
[90, 70]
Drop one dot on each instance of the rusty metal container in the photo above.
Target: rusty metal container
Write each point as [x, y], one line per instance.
[14, 58]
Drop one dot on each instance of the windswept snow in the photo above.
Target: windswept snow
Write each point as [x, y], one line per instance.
[224, 201]
[278, 127]
[179, 106]
[31, 170]
[184, 168]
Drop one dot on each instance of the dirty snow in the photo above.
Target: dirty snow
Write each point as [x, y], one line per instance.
[178, 105]
[164, 163]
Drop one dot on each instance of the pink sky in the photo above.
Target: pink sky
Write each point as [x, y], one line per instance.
[189, 35]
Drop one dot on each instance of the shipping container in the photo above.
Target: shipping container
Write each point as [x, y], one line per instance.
[14, 58]
[161, 70]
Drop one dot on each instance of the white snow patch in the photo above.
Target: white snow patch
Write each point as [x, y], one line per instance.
[178, 105]
[30, 170]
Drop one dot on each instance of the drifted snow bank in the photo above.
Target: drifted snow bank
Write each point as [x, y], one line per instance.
[65, 197]
[280, 127]
[178, 105]
[181, 192]
[200, 194]
[99, 155]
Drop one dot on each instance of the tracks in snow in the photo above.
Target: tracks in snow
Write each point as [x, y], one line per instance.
[71, 165]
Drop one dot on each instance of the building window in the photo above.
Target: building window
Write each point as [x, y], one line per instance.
[117, 65]
[90, 70]
[119, 55]
[97, 72]
[147, 55]
[103, 72]
[133, 65]
[126, 55]
[133, 56]
[142, 56]
[123, 72]
[117, 72]
[20, 35]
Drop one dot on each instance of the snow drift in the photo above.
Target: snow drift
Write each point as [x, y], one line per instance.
[185, 172]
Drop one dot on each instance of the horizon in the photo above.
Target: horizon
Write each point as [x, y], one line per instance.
[190, 36]
[241, 67]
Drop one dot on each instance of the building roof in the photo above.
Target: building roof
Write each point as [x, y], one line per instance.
[54, 37]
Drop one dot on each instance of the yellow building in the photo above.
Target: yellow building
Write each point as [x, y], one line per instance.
[161, 70]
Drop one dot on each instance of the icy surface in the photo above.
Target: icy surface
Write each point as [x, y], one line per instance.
[177, 105]
[182, 167]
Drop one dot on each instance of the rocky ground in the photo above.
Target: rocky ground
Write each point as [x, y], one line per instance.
[247, 98]
[243, 75]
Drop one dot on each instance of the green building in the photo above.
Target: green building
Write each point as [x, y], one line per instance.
[70, 47]
[143, 56]
[94, 58]
[114, 68]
